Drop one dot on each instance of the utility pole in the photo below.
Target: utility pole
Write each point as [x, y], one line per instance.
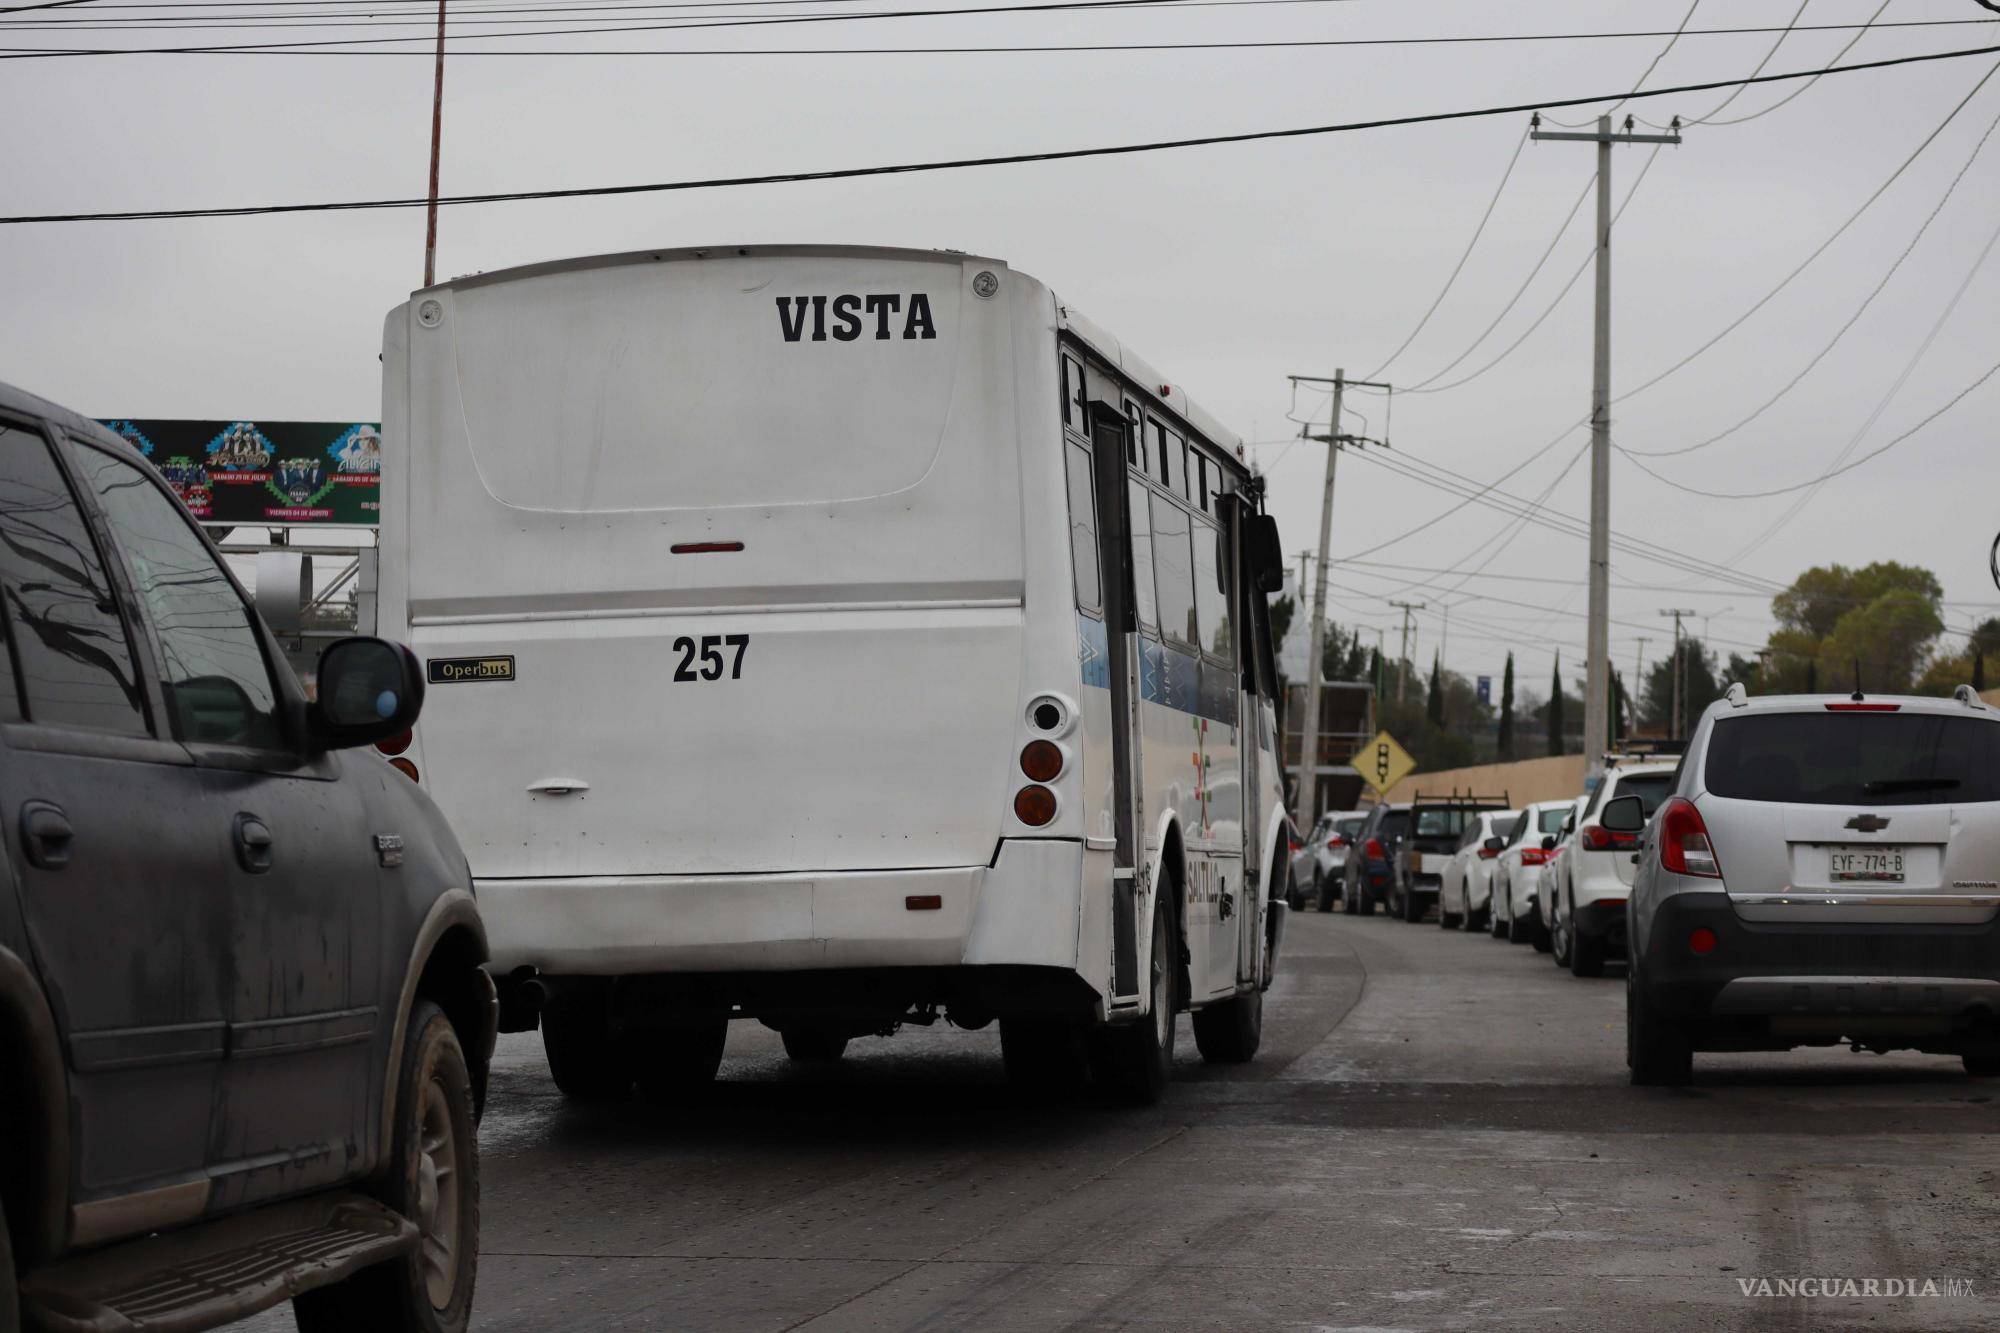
[1308, 780]
[437, 136]
[1638, 676]
[1674, 713]
[1707, 616]
[1597, 664]
[1403, 655]
[1305, 566]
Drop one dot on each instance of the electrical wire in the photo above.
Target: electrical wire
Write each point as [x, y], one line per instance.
[1644, 75]
[1738, 92]
[1821, 248]
[1540, 319]
[1459, 267]
[1838, 56]
[908, 168]
[1839, 333]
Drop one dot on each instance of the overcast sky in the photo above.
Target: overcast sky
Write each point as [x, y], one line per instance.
[1227, 267]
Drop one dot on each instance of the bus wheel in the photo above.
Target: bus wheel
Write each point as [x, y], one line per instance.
[1132, 1062]
[813, 1045]
[584, 1059]
[1230, 1033]
[673, 1064]
[1043, 1055]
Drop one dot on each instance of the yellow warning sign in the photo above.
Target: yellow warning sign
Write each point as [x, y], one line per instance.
[1383, 763]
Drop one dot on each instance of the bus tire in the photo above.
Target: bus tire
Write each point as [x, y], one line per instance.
[1133, 1061]
[1230, 1033]
[1043, 1055]
[10, 1296]
[673, 1064]
[585, 1059]
[813, 1045]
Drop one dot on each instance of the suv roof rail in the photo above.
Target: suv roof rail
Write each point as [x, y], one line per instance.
[1646, 749]
[1466, 797]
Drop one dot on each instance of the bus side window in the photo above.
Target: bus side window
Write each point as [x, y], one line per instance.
[1156, 452]
[1135, 436]
[1083, 530]
[1076, 406]
[1172, 559]
[1177, 456]
[1144, 602]
[1211, 591]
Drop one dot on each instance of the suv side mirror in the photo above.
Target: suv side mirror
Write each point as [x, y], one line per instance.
[369, 690]
[1622, 814]
[1267, 555]
[1494, 844]
[1549, 843]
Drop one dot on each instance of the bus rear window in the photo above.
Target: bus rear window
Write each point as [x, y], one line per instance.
[1855, 759]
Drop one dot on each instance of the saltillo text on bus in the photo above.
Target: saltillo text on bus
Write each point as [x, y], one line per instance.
[834, 636]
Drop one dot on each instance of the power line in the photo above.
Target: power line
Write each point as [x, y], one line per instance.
[1839, 333]
[909, 168]
[1540, 319]
[1459, 267]
[1838, 56]
[1821, 248]
[1768, 55]
[1647, 73]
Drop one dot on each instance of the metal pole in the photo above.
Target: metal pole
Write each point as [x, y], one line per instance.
[1307, 795]
[1674, 709]
[1597, 664]
[437, 135]
[1403, 652]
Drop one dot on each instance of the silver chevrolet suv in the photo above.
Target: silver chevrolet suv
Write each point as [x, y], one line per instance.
[1826, 870]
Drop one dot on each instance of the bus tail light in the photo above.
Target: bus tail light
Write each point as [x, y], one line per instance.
[397, 743]
[1684, 845]
[1042, 760]
[405, 767]
[1034, 805]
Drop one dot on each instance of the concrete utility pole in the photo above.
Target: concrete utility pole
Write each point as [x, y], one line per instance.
[1597, 665]
[1403, 654]
[1307, 795]
[1674, 713]
[437, 136]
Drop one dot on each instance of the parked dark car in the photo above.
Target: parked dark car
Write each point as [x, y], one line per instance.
[1371, 870]
[245, 1027]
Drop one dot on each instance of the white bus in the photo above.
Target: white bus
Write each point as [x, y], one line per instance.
[837, 637]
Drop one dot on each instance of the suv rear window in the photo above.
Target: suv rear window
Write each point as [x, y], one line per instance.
[1855, 759]
[1652, 789]
[1395, 823]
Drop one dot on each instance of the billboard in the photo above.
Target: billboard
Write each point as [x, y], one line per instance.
[266, 473]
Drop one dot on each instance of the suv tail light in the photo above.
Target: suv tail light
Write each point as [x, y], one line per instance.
[1487, 853]
[1336, 841]
[1373, 851]
[1684, 845]
[1534, 856]
[1596, 838]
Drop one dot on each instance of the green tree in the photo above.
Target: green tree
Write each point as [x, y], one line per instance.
[1506, 737]
[1881, 618]
[1434, 705]
[1698, 678]
[1556, 708]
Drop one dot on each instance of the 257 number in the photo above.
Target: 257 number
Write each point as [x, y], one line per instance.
[710, 649]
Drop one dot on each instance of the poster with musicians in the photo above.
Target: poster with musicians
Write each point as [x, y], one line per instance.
[266, 472]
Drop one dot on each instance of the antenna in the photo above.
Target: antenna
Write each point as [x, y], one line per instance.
[1857, 680]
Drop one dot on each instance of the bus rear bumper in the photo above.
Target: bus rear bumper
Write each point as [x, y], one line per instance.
[1021, 910]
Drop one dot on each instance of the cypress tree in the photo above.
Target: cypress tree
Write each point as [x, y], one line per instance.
[1556, 708]
[1507, 711]
[1978, 669]
[1436, 702]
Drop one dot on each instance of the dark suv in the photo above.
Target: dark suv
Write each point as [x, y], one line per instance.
[243, 1023]
[1370, 869]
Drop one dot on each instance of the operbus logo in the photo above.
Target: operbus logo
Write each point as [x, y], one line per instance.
[1850, 1287]
[852, 315]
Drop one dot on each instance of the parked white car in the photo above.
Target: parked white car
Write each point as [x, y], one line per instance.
[1321, 861]
[1518, 870]
[1588, 880]
[1465, 889]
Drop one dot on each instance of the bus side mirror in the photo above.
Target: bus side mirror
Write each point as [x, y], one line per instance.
[1266, 552]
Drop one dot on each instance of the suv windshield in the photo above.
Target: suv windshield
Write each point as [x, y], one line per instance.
[1855, 759]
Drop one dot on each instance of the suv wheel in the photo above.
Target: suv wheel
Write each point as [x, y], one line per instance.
[1986, 1065]
[1562, 933]
[813, 1045]
[10, 1298]
[1323, 893]
[1657, 1050]
[1230, 1033]
[1586, 954]
[584, 1057]
[434, 1183]
[1494, 924]
[674, 1064]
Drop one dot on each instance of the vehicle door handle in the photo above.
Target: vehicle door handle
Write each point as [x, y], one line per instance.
[253, 844]
[46, 835]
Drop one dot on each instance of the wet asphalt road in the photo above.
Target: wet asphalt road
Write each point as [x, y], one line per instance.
[1437, 1134]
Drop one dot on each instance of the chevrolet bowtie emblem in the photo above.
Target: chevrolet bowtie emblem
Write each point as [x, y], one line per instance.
[1868, 823]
